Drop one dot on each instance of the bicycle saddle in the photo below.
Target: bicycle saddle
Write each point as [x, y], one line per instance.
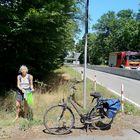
[95, 94]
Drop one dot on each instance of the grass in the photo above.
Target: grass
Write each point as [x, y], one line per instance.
[58, 90]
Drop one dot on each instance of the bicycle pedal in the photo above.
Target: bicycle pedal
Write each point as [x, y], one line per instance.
[88, 122]
[96, 119]
[90, 129]
[102, 117]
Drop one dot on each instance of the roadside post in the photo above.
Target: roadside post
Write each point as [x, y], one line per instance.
[82, 76]
[95, 83]
[85, 50]
[122, 98]
[76, 56]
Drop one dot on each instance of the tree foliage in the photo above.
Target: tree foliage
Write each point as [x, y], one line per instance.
[113, 32]
[37, 33]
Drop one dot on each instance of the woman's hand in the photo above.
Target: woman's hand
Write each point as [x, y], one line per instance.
[23, 91]
[32, 90]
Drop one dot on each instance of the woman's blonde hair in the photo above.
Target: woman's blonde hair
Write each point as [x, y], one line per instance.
[23, 67]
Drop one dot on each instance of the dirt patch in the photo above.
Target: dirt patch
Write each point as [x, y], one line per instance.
[120, 123]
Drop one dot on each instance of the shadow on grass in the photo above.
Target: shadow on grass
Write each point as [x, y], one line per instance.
[74, 128]
[78, 128]
[46, 132]
[137, 131]
[53, 82]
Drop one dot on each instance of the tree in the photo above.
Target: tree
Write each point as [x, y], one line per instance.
[35, 33]
[113, 32]
[117, 32]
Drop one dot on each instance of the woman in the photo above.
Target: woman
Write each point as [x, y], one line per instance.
[24, 84]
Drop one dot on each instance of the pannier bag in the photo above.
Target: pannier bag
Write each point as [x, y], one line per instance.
[112, 106]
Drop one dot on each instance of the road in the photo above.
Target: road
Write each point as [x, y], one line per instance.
[127, 135]
[113, 82]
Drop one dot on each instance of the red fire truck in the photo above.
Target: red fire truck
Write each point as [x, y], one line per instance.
[128, 60]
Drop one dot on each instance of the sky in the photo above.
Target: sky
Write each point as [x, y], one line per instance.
[98, 7]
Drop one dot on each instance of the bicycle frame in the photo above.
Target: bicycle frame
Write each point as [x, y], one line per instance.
[76, 106]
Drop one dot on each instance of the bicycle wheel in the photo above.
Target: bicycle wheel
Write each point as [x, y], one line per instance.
[59, 119]
[99, 120]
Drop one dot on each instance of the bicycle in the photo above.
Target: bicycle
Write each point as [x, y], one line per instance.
[60, 119]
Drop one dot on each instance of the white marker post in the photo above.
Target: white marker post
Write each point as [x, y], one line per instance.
[76, 56]
[82, 76]
[122, 97]
[95, 84]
